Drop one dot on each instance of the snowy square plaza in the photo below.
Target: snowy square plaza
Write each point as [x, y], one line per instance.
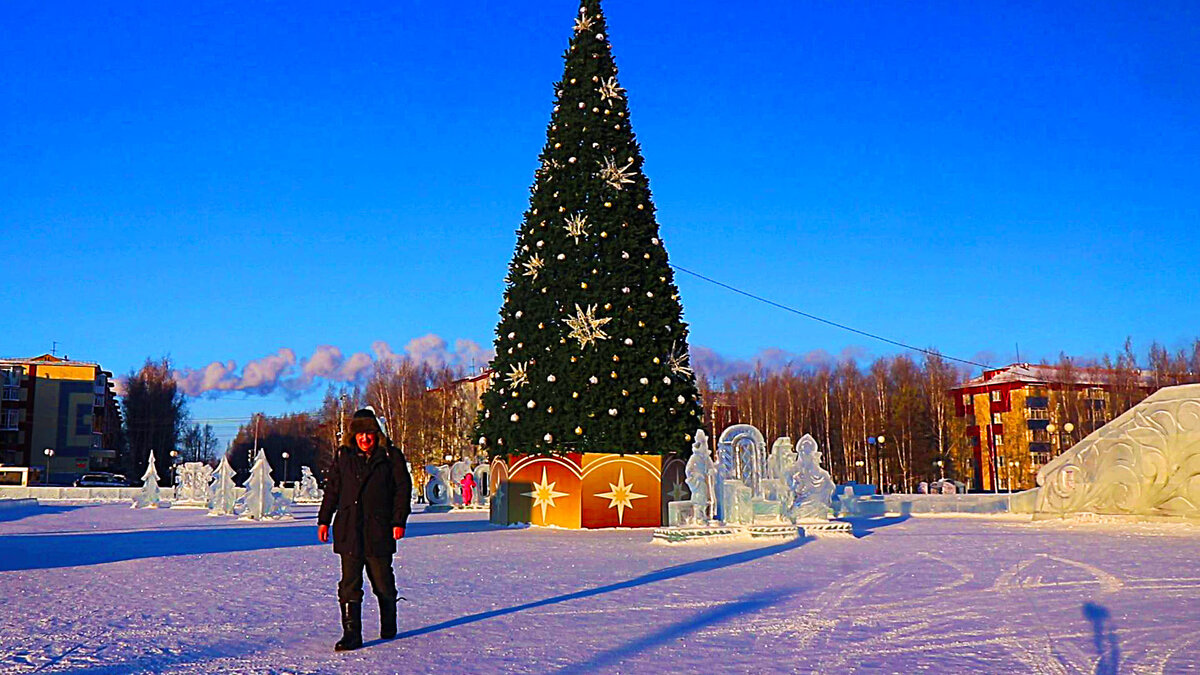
[109, 589]
[388, 359]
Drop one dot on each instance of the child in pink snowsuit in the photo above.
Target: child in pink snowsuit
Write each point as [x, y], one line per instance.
[468, 488]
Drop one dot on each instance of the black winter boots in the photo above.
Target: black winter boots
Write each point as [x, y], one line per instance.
[352, 627]
[387, 619]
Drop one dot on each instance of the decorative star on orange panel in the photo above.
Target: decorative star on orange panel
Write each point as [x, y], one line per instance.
[621, 497]
[544, 494]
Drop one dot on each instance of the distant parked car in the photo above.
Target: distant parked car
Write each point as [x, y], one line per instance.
[102, 480]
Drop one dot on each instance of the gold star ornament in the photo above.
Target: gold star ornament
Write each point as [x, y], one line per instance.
[610, 91]
[518, 377]
[616, 176]
[533, 266]
[585, 326]
[576, 226]
[584, 22]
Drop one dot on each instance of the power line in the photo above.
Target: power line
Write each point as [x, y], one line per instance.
[825, 321]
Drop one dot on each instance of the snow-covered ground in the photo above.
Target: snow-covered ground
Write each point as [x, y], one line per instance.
[107, 589]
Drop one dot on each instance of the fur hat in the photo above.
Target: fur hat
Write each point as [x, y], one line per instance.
[364, 422]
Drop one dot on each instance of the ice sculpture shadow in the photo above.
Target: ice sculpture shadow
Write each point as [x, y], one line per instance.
[1104, 637]
[16, 513]
[664, 574]
[747, 604]
[863, 526]
[51, 551]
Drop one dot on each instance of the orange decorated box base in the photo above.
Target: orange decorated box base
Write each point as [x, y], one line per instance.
[589, 490]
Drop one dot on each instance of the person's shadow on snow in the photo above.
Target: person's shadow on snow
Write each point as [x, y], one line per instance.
[1104, 636]
[664, 574]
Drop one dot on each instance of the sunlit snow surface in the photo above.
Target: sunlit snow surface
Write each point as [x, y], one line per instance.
[109, 589]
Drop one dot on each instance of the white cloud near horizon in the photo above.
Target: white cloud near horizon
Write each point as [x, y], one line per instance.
[284, 372]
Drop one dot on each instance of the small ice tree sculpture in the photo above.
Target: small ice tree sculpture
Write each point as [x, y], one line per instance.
[308, 490]
[148, 497]
[223, 492]
[261, 500]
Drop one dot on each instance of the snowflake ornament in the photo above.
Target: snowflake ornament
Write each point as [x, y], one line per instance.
[576, 226]
[616, 176]
[584, 22]
[610, 91]
[518, 376]
[533, 266]
[678, 362]
[585, 326]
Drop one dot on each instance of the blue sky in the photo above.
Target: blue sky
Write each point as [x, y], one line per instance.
[220, 181]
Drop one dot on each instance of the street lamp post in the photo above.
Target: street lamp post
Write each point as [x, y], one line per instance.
[49, 452]
[174, 467]
[285, 465]
[880, 440]
[1012, 466]
[1066, 429]
[858, 465]
[867, 456]
[941, 465]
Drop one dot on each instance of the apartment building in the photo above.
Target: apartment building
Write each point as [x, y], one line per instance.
[1021, 416]
[53, 403]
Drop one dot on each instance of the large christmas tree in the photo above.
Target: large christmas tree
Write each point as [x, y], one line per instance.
[591, 347]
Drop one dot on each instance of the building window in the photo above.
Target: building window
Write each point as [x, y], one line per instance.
[10, 376]
[9, 419]
[995, 397]
[999, 440]
[996, 418]
[966, 400]
[11, 393]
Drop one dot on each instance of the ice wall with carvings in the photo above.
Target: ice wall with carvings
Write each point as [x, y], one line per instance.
[1145, 462]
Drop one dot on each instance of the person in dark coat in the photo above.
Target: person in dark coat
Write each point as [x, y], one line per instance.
[368, 488]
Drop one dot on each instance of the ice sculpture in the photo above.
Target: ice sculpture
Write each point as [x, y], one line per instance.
[458, 471]
[223, 493]
[745, 446]
[191, 488]
[792, 493]
[483, 485]
[782, 457]
[437, 493]
[847, 502]
[307, 492]
[1146, 462]
[148, 497]
[811, 486]
[700, 474]
[774, 487]
[262, 500]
